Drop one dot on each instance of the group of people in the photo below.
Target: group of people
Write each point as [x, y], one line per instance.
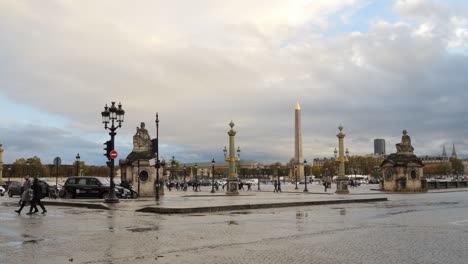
[31, 193]
[277, 186]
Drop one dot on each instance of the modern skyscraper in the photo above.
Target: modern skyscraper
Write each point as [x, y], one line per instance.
[379, 146]
[298, 157]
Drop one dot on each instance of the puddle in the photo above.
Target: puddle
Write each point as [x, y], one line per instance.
[197, 215]
[233, 222]
[26, 242]
[246, 212]
[143, 229]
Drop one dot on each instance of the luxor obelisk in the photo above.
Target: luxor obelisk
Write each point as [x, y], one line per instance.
[298, 157]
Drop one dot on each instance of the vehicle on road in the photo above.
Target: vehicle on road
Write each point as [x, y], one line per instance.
[90, 187]
[2, 191]
[14, 188]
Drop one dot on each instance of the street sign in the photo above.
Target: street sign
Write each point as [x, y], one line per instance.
[113, 154]
[57, 162]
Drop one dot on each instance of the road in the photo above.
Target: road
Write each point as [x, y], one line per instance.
[410, 228]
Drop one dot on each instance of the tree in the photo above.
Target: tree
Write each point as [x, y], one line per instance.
[457, 166]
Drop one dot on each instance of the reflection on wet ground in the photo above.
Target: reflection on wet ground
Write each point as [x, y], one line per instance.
[422, 228]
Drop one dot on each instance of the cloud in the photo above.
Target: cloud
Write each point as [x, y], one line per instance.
[203, 64]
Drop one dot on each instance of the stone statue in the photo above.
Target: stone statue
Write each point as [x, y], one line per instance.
[142, 139]
[405, 145]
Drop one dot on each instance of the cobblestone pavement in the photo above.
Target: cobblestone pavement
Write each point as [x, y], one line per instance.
[410, 228]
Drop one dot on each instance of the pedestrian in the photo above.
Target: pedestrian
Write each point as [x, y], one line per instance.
[279, 187]
[276, 186]
[249, 186]
[325, 184]
[37, 196]
[26, 194]
[224, 185]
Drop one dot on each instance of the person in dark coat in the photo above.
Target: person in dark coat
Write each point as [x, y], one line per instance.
[37, 196]
[26, 194]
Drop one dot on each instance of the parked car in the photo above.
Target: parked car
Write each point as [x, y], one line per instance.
[14, 188]
[2, 191]
[91, 187]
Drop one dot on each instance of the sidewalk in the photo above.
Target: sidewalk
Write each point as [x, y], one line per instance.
[178, 202]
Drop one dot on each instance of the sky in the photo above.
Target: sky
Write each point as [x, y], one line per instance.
[376, 67]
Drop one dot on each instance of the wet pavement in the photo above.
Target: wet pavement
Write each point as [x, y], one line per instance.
[409, 228]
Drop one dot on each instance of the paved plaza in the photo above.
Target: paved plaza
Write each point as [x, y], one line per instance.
[409, 228]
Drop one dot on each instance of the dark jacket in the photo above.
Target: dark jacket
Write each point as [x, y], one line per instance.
[37, 192]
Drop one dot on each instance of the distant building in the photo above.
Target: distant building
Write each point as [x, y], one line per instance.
[379, 146]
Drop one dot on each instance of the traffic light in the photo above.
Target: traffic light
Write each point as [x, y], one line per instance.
[109, 147]
[155, 145]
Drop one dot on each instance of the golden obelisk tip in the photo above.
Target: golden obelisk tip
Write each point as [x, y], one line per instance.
[298, 107]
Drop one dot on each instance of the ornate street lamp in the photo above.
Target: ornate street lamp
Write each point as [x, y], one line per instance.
[28, 164]
[212, 175]
[9, 174]
[157, 164]
[184, 175]
[113, 116]
[305, 178]
[196, 177]
[78, 164]
[258, 178]
[173, 164]
[295, 171]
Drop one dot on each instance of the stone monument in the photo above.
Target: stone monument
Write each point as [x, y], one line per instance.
[403, 171]
[341, 180]
[298, 157]
[232, 180]
[136, 168]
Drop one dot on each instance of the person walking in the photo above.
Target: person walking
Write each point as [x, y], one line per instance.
[279, 187]
[26, 194]
[276, 186]
[37, 196]
[249, 186]
[325, 184]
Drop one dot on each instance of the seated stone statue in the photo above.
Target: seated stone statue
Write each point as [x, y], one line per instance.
[405, 145]
[142, 139]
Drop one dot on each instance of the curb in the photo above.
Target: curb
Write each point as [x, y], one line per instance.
[74, 204]
[167, 210]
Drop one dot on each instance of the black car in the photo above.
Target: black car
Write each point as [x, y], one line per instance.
[89, 186]
[14, 188]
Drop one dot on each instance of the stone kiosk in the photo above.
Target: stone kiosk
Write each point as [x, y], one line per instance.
[403, 171]
[137, 163]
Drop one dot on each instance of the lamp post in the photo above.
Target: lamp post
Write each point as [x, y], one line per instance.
[184, 175]
[341, 180]
[9, 174]
[173, 164]
[112, 115]
[28, 164]
[77, 164]
[157, 184]
[196, 177]
[232, 180]
[305, 177]
[212, 175]
[258, 178]
[295, 171]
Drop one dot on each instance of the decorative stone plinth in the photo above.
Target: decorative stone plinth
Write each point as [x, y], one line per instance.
[232, 186]
[342, 186]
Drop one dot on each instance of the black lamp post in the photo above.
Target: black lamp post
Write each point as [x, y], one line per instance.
[196, 177]
[212, 175]
[184, 175]
[305, 177]
[173, 164]
[28, 164]
[112, 115]
[9, 174]
[157, 164]
[77, 164]
[258, 178]
[295, 171]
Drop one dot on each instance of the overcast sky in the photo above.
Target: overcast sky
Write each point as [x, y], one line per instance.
[376, 67]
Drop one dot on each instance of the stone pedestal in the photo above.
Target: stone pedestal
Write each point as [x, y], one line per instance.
[342, 186]
[403, 171]
[232, 186]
